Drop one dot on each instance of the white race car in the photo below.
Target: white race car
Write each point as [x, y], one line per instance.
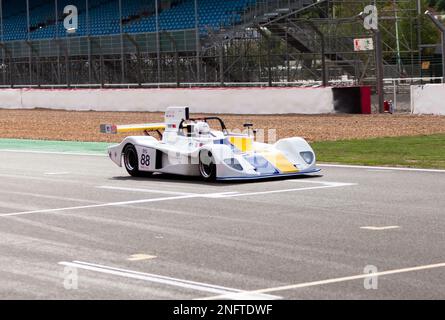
[189, 147]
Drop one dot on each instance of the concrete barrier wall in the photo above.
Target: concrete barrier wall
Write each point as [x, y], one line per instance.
[10, 99]
[214, 100]
[428, 99]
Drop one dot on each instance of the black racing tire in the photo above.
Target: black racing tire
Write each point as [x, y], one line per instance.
[207, 166]
[131, 161]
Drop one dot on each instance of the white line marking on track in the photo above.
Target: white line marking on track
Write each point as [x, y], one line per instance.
[198, 195]
[380, 228]
[330, 281]
[145, 190]
[179, 196]
[380, 168]
[288, 190]
[56, 173]
[111, 204]
[44, 196]
[141, 257]
[186, 284]
[117, 204]
[218, 195]
[326, 183]
[41, 178]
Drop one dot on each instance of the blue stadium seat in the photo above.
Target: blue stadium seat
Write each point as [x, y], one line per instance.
[138, 16]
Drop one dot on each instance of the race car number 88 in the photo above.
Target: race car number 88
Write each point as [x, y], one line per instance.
[145, 160]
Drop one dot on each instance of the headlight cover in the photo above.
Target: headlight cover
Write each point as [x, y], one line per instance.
[308, 156]
[234, 164]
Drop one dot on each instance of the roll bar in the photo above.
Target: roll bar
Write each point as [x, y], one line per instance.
[206, 119]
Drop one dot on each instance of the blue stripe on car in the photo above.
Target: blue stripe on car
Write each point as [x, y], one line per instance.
[261, 165]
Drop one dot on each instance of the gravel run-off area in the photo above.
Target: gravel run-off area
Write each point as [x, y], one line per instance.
[84, 126]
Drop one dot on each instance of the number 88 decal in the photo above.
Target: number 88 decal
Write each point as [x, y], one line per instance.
[145, 160]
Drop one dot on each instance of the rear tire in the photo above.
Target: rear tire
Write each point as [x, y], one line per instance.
[131, 161]
[207, 166]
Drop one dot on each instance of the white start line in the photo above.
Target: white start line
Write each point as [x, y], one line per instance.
[334, 280]
[177, 196]
[380, 228]
[232, 293]
[175, 282]
[56, 173]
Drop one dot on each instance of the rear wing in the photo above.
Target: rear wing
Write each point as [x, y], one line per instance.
[115, 129]
[174, 116]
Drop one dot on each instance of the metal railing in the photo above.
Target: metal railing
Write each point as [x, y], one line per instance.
[296, 84]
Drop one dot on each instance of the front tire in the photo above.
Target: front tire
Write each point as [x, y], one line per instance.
[131, 161]
[207, 166]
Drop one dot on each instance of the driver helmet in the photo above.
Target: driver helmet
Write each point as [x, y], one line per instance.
[202, 128]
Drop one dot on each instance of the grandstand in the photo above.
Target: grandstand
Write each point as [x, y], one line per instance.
[138, 16]
[182, 42]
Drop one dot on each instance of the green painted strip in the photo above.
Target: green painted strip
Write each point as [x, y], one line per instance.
[54, 146]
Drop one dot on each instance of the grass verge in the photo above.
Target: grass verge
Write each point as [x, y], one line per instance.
[416, 152]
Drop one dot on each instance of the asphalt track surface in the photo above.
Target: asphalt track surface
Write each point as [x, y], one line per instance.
[63, 215]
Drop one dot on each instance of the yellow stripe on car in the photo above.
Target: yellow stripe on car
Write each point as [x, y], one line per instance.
[114, 129]
[279, 161]
[243, 144]
[140, 127]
